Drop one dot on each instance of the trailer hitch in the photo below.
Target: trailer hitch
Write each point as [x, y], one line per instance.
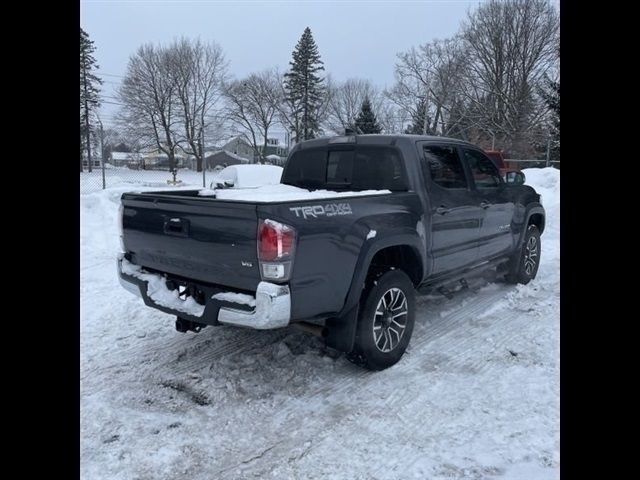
[183, 325]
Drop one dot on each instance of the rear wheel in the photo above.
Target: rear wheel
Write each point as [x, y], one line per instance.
[524, 265]
[385, 321]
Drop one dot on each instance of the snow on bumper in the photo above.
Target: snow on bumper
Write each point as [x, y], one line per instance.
[272, 302]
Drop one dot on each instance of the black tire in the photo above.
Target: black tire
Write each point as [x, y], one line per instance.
[394, 292]
[524, 265]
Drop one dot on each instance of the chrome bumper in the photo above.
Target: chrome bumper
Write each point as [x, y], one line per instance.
[128, 286]
[272, 310]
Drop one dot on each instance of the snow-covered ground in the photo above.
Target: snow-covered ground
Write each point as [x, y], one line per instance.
[476, 396]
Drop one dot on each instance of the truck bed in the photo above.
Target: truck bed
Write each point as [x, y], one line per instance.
[214, 241]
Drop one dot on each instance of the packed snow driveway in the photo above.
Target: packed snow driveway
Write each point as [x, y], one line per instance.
[475, 397]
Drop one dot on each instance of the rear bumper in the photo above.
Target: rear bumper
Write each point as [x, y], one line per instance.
[272, 302]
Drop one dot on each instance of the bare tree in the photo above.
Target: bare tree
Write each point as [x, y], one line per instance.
[427, 80]
[253, 105]
[345, 100]
[511, 44]
[150, 106]
[199, 70]
[392, 118]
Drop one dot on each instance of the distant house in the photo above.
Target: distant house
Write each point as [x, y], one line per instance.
[239, 146]
[276, 160]
[160, 161]
[96, 160]
[125, 159]
[223, 158]
[146, 161]
[275, 147]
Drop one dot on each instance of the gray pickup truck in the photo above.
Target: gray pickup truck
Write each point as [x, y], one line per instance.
[377, 218]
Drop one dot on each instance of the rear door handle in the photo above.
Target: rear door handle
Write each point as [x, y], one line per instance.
[442, 210]
[485, 204]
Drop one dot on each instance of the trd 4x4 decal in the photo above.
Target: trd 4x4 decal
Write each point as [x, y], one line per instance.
[328, 210]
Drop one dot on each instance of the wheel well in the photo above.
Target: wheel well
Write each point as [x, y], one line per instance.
[538, 220]
[402, 257]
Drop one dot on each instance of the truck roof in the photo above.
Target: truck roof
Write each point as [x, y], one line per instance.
[375, 139]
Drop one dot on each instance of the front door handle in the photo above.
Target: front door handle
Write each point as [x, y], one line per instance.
[442, 210]
[485, 204]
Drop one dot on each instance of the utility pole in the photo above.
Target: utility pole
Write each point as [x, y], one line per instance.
[86, 112]
[104, 182]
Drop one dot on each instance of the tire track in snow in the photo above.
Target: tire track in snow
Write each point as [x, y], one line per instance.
[353, 383]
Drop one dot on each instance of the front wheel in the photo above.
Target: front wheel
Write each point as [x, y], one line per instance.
[524, 265]
[385, 321]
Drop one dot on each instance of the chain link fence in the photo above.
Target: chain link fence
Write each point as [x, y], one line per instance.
[520, 164]
[112, 177]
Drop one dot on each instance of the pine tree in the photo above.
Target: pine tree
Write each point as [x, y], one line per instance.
[89, 92]
[417, 127]
[366, 121]
[550, 92]
[305, 88]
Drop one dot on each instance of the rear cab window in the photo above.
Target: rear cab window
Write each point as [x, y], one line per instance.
[356, 168]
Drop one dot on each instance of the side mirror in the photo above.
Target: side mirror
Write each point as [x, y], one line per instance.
[515, 178]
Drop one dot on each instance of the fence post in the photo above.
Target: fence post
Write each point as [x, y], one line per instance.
[104, 182]
[203, 156]
[549, 151]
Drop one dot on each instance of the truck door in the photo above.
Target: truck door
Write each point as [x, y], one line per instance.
[455, 209]
[496, 235]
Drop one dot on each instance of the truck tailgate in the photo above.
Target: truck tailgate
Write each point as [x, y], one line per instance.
[204, 239]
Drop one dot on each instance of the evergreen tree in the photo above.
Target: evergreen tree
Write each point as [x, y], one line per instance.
[366, 121]
[417, 117]
[304, 88]
[89, 92]
[551, 94]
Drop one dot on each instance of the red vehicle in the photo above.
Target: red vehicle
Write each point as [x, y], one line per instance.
[504, 166]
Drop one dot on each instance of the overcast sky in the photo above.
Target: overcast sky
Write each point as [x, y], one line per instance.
[355, 38]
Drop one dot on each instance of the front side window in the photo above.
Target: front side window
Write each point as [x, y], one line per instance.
[484, 171]
[444, 166]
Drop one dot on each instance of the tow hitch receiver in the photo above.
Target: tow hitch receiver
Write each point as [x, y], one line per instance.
[183, 325]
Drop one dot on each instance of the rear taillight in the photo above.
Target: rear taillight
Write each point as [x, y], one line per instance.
[276, 249]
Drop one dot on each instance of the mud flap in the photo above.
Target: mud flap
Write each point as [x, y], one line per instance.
[342, 331]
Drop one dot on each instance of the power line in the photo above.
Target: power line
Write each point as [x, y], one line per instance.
[112, 75]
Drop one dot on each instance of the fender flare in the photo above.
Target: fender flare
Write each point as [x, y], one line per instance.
[369, 251]
[532, 209]
[342, 328]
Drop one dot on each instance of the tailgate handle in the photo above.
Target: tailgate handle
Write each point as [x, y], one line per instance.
[177, 226]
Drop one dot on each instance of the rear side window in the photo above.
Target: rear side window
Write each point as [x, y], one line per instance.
[444, 166]
[359, 168]
[485, 173]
